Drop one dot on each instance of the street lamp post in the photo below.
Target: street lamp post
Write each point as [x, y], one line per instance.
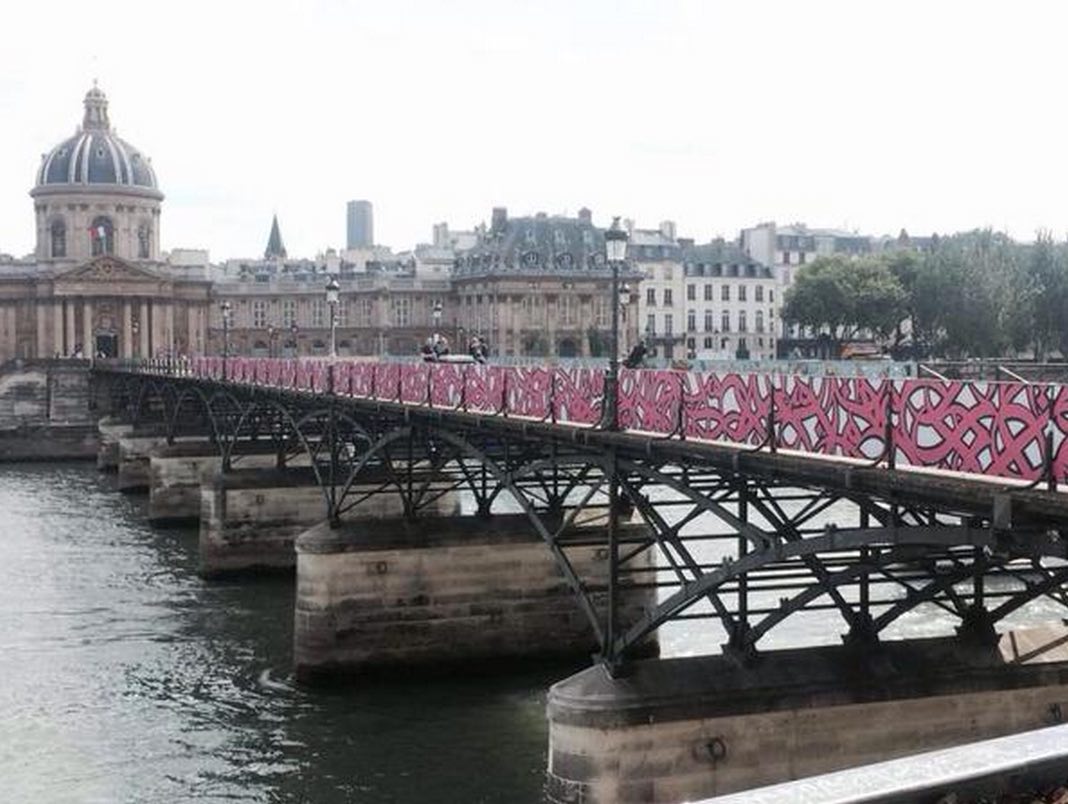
[436, 314]
[333, 290]
[615, 245]
[226, 310]
[135, 330]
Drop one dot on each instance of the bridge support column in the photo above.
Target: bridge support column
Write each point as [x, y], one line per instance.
[437, 592]
[684, 729]
[250, 518]
[111, 430]
[135, 449]
[177, 473]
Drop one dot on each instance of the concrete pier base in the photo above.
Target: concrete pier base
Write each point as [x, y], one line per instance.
[250, 518]
[107, 456]
[177, 472]
[134, 452]
[684, 729]
[440, 591]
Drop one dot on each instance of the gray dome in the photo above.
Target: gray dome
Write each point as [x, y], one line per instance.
[95, 155]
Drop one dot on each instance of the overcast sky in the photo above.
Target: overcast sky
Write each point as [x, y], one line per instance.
[934, 116]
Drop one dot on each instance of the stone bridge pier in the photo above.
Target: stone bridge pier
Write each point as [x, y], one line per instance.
[445, 591]
[251, 517]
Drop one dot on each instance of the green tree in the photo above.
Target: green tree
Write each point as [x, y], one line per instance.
[845, 298]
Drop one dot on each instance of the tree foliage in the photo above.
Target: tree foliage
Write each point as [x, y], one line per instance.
[974, 294]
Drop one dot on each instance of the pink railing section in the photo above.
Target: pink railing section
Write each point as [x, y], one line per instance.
[1006, 429]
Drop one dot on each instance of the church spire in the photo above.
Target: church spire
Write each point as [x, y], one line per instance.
[275, 249]
[96, 110]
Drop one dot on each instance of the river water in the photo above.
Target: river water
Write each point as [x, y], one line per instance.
[125, 678]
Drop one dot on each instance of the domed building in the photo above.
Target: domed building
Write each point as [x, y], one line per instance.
[96, 284]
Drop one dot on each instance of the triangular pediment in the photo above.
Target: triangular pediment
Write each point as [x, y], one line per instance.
[108, 268]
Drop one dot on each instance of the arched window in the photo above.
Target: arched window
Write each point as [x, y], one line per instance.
[58, 237]
[144, 241]
[102, 236]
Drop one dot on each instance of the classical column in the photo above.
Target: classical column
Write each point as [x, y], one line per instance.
[168, 322]
[88, 347]
[126, 349]
[70, 336]
[192, 337]
[57, 327]
[143, 329]
[42, 329]
[7, 343]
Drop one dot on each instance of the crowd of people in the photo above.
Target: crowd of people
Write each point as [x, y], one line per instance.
[436, 347]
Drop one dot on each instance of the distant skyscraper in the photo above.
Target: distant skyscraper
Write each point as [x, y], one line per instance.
[360, 228]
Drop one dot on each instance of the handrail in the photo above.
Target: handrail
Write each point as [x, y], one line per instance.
[958, 426]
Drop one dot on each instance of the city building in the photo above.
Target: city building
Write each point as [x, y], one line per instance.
[278, 308]
[359, 225]
[96, 283]
[709, 302]
[540, 286]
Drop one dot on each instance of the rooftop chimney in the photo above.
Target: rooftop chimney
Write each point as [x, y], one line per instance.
[499, 219]
[585, 216]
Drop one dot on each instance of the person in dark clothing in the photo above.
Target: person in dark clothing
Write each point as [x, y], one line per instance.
[636, 357]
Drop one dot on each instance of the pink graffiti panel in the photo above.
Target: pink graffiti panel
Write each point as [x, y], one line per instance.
[831, 415]
[1012, 430]
[982, 427]
[578, 395]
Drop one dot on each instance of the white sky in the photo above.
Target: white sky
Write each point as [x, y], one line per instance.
[870, 115]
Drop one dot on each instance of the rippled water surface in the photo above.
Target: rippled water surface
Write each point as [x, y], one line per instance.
[125, 678]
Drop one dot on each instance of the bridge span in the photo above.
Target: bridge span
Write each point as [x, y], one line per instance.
[741, 500]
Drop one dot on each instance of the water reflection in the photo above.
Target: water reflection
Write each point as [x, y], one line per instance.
[128, 679]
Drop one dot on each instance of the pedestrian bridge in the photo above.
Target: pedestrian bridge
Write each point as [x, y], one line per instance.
[726, 504]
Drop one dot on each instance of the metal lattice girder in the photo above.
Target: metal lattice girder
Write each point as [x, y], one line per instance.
[736, 535]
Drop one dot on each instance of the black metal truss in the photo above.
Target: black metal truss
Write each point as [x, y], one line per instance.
[731, 541]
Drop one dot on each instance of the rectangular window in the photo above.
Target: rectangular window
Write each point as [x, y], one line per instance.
[669, 329]
[759, 320]
[318, 313]
[725, 322]
[725, 293]
[367, 311]
[667, 297]
[600, 312]
[567, 311]
[759, 293]
[650, 297]
[259, 313]
[691, 321]
[709, 326]
[342, 313]
[650, 324]
[690, 344]
[708, 343]
[741, 321]
[741, 293]
[289, 312]
[691, 293]
[801, 260]
[401, 311]
[708, 292]
[786, 258]
[771, 295]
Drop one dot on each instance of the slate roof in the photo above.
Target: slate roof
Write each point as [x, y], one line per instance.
[95, 155]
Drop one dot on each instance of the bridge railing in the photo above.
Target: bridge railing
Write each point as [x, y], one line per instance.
[1008, 429]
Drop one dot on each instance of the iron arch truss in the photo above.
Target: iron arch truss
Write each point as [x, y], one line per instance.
[743, 536]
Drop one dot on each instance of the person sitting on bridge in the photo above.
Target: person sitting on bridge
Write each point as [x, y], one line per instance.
[477, 349]
[440, 346]
[636, 357]
[427, 350]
